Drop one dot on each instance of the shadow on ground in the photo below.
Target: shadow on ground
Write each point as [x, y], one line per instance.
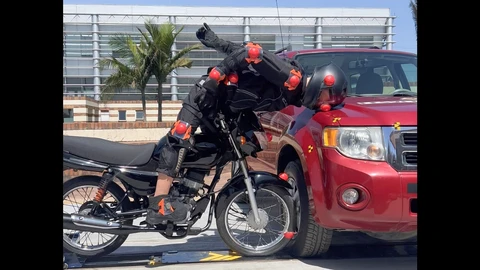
[390, 263]
[345, 245]
[208, 240]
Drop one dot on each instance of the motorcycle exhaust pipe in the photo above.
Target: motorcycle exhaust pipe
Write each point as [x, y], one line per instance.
[98, 225]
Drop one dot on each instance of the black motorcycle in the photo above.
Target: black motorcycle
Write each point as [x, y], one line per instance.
[109, 200]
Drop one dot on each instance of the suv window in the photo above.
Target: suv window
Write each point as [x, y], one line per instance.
[379, 73]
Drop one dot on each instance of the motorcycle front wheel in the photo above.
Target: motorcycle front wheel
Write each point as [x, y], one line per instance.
[238, 229]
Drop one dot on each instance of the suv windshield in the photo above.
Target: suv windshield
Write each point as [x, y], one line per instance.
[369, 73]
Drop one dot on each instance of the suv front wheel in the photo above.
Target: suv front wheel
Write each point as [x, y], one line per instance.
[312, 239]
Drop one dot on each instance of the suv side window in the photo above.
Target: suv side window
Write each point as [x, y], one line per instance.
[410, 71]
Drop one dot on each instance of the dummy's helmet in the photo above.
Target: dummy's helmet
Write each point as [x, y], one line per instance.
[327, 88]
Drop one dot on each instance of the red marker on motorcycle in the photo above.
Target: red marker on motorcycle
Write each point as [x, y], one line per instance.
[289, 235]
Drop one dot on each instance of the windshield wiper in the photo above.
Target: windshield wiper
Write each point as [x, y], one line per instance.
[407, 93]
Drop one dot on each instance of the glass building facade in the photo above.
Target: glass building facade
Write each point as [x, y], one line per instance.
[88, 28]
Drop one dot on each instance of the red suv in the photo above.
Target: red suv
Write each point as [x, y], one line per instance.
[353, 168]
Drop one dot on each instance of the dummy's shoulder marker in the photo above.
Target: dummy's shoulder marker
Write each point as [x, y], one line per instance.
[254, 52]
[396, 125]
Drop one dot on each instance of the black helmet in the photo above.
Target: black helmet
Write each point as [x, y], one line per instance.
[329, 79]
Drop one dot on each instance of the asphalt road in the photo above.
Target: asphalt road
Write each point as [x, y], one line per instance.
[402, 263]
[368, 253]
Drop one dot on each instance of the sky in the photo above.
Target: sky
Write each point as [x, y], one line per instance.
[404, 29]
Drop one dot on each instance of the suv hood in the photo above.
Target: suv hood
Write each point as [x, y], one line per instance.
[377, 111]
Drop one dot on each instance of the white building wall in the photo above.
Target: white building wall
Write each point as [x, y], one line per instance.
[301, 28]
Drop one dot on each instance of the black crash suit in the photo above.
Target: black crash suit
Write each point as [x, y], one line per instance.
[264, 83]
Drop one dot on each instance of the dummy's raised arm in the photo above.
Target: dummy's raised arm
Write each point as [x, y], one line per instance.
[211, 40]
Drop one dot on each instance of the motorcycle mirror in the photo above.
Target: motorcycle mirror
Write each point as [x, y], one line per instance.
[280, 50]
[286, 48]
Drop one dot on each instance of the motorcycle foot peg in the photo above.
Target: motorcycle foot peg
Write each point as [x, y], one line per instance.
[194, 231]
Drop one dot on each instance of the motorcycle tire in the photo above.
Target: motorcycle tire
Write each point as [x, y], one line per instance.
[114, 190]
[221, 222]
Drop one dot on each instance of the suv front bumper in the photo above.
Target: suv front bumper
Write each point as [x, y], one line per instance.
[388, 197]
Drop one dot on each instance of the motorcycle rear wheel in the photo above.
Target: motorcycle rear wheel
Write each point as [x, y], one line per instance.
[247, 246]
[72, 240]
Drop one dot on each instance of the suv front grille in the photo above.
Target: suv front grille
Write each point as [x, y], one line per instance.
[401, 148]
[410, 158]
[409, 138]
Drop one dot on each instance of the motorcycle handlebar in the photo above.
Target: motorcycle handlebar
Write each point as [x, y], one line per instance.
[281, 50]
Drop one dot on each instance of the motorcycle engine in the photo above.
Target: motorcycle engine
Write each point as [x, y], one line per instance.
[190, 184]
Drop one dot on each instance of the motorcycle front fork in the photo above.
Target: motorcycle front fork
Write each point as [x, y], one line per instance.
[246, 178]
[250, 191]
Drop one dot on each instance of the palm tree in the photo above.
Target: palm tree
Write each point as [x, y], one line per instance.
[159, 40]
[413, 7]
[133, 72]
[153, 55]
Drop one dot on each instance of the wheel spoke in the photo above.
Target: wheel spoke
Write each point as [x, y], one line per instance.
[83, 240]
[274, 215]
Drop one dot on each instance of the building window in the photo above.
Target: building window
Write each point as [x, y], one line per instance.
[267, 41]
[139, 115]
[80, 86]
[122, 115]
[104, 116]
[67, 115]
[86, 46]
[351, 42]
[309, 42]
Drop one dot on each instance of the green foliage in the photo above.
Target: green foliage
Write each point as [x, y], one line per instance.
[137, 63]
[413, 7]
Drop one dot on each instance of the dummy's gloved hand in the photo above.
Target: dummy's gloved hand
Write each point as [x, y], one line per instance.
[206, 36]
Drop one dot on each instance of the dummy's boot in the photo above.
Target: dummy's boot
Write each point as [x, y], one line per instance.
[164, 207]
[167, 207]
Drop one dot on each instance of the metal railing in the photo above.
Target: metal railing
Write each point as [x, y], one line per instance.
[323, 28]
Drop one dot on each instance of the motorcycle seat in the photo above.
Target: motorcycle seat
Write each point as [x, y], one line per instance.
[108, 152]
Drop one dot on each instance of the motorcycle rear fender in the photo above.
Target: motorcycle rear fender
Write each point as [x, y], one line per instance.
[127, 205]
[78, 163]
[259, 179]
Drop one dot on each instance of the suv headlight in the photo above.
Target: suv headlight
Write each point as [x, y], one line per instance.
[356, 142]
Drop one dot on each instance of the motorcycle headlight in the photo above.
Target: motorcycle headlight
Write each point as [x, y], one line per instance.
[356, 142]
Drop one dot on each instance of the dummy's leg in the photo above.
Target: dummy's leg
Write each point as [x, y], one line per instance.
[273, 68]
[162, 206]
